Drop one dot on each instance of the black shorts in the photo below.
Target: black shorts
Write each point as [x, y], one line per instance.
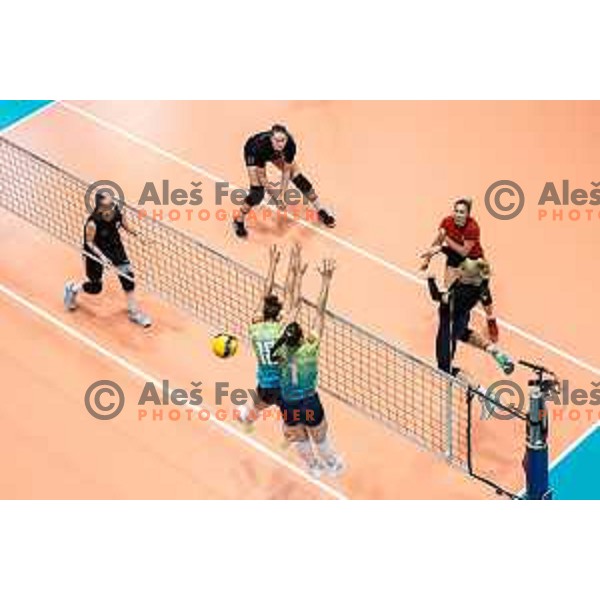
[269, 396]
[94, 271]
[308, 411]
[453, 258]
[251, 157]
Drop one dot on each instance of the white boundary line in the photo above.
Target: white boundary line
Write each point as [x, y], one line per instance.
[319, 230]
[125, 364]
[31, 115]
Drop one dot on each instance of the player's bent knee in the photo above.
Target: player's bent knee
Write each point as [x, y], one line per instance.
[92, 287]
[295, 433]
[256, 195]
[303, 184]
[126, 276]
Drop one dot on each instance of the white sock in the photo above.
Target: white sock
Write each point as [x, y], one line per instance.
[244, 414]
[326, 451]
[492, 349]
[305, 451]
[77, 287]
[317, 205]
[131, 304]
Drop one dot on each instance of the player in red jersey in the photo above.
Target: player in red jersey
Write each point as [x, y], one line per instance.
[459, 238]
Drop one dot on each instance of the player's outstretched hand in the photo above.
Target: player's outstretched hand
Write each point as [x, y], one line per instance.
[326, 268]
[274, 253]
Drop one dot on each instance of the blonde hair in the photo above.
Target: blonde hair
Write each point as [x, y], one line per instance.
[476, 267]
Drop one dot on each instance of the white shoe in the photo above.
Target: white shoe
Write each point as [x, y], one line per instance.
[334, 466]
[315, 468]
[140, 318]
[70, 296]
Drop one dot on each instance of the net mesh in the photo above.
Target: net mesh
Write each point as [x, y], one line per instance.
[358, 367]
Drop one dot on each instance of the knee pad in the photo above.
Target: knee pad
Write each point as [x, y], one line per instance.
[92, 287]
[303, 184]
[125, 277]
[486, 297]
[256, 195]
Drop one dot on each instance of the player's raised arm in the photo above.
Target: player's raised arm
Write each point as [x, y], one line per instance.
[296, 301]
[274, 257]
[290, 278]
[326, 270]
[269, 283]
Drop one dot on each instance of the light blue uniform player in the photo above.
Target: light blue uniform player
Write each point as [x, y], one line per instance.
[303, 415]
[264, 331]
[263, 336]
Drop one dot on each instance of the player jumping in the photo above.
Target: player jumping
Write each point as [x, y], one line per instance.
[267, 327]
[470, 287]
[303, 415]
[278, 147]
[458, 238]
[103, 247]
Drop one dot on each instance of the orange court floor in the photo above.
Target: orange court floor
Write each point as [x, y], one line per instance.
[389, 170]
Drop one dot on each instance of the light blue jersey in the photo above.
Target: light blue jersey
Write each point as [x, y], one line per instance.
[263, 336]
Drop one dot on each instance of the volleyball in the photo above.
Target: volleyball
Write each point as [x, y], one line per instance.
[224, 345]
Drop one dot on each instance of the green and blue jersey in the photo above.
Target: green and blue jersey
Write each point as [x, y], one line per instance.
[300, 370]
[263, 336]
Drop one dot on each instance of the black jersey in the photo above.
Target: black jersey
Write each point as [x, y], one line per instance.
[466, 295]
[259, 150]
[107, 237]
[454, 316]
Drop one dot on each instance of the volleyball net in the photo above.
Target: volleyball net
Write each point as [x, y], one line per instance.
[358, 367]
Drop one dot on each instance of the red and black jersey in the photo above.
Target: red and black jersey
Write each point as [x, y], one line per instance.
[460, 235]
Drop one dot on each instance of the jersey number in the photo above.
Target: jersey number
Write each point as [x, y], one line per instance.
[264, 350]
[294, 371]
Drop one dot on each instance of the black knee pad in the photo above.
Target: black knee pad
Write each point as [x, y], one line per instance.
[92, 287]
[486, 296]
[256, 195]
[125, 277]
[303, 184]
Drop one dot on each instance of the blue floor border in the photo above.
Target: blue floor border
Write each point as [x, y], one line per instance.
[575, 474]
[13, 111]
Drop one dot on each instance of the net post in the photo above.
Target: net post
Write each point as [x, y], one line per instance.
[449, 420]
[536, 453]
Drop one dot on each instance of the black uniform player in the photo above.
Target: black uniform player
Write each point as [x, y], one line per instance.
[471, 287]
[103, 247]
[278, 147]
